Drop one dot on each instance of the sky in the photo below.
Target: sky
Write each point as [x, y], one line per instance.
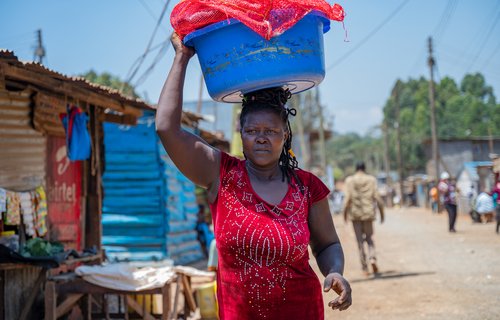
[378, 43]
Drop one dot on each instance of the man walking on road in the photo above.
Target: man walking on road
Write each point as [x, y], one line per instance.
[361, 197]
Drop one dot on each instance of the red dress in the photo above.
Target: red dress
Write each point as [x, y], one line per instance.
[264, 270]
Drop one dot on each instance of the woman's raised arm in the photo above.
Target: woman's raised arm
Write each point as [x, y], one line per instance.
[197, 160]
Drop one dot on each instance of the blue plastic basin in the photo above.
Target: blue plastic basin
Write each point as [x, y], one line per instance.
[235, 60]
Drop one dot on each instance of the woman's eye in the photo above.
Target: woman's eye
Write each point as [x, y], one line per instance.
[270, 132]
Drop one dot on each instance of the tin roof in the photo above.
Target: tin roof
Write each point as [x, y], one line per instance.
[42, 78]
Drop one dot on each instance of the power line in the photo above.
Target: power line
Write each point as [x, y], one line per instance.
[487, 61]
[366, 38]
[467, 49]
[148, 9]
[131, 74]
[445, 19]
[456, 59]
[485, 40]
[163, 50]
[151, 13]
[150, 50]
[418, 62]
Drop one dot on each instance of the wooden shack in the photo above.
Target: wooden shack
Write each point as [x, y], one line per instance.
[33, 154]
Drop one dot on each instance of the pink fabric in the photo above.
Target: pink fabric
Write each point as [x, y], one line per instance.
[264, 270]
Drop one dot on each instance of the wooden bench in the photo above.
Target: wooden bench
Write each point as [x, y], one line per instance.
[75, 288]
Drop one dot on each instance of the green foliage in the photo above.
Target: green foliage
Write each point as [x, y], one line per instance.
[111, 81]
[338, 174]
[343, 151]
[465, 110]
[468, 109]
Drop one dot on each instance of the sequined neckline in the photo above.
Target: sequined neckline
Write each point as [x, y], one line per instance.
[257, 196]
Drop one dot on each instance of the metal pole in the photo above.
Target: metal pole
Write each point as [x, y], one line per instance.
[435, 148]
[398, 142]
[40, 50]
[321, 131]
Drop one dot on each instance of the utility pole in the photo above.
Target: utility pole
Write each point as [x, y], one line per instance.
[387, 164]
[304, 152]
[39, 50]
[435, 148]
[321, 132]
[395, 93]
[200, 96]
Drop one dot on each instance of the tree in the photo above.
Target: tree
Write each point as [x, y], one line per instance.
[344, 150]
[106, 79]
[464, 110]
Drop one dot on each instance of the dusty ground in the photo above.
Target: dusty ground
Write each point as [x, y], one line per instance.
[425, 272]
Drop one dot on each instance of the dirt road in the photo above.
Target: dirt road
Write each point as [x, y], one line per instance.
[425, 272]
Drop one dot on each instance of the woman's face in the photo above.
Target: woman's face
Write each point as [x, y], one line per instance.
[263, 135]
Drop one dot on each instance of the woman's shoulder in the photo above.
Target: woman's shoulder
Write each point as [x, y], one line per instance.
[303, 173]
[228, 161]
[306, 177]
[315, 186]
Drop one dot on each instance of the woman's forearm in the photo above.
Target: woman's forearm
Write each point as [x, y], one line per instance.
[331, 259]
[169, 112]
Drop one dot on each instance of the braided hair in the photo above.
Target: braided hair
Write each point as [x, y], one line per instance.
[274, 100]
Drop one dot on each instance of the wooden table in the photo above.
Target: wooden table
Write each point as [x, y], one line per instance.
[75, 288]
[34, 289]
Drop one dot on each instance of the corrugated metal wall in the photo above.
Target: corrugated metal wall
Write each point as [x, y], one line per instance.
[149, 209]
[134, 222]
[23, 150]
[182, 212]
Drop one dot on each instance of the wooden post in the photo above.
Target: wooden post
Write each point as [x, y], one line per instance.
[321, 131]
[304, 152]
[166, 296]
[94, 203]
[387, 163]
[2, 294]
[50, 300]
[435, 150]
[398, 142]
[188, 294]
[86, 305]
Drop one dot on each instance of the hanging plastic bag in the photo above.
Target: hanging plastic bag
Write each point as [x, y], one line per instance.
[77, 136]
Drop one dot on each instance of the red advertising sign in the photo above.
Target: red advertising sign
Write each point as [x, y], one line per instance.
[64, 184]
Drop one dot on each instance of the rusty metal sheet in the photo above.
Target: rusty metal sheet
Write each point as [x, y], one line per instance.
[23, 149]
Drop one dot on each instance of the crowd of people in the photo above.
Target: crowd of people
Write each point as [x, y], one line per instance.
[484, 206]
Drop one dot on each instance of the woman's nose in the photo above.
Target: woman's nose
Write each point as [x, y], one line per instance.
[261, 138]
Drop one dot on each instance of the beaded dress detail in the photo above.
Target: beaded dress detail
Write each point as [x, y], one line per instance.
[264, 270]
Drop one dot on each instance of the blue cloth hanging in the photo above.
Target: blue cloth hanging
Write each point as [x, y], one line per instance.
[77, 136]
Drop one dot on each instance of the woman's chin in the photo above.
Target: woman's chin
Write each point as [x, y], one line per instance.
[263, 160]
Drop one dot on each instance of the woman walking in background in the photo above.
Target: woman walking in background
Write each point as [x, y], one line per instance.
[448, 189]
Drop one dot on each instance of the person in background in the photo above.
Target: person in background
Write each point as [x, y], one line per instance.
[448, 189]
[213, 260]
[266, 211]
[361, 197]
[484, 207]
[496, 202]
[434, 199]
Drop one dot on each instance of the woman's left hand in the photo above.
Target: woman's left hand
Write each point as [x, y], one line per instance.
[340, 285]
